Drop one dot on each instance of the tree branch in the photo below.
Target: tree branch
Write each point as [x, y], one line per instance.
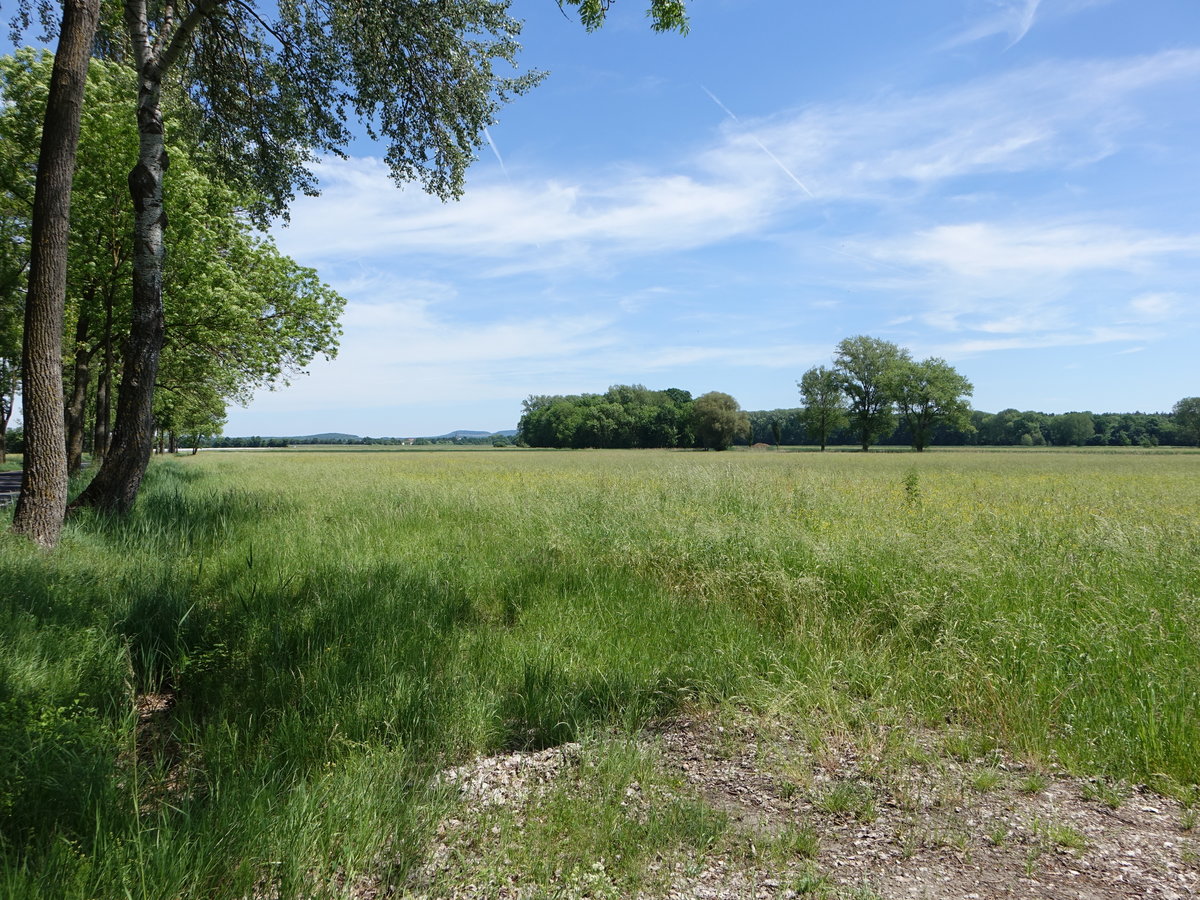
[167, 56]
[138, 26]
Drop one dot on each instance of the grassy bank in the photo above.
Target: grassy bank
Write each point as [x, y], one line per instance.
[330, 630]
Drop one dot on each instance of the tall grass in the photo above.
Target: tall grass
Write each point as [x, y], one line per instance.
[333, 629]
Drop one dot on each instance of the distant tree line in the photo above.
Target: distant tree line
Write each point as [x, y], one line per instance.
[874, 392]
[1007, 428]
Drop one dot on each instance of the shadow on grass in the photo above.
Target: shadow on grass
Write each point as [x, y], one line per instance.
[174, 513]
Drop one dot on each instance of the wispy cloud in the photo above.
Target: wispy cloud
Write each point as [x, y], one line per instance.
[1011, 18]
[981, 250]
[1160, 307]
[1037, 118]
[888, 149]
[1041, 341]
[1037, 281]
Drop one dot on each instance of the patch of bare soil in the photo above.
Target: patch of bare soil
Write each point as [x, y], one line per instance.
[895, 816]
[157, 761]
[905, 820]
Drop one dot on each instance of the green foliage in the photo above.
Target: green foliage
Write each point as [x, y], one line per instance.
[719, 420]
[824, 402]
[1072, 429]
[928, 394]
[624, 416]
[1187, 419]
[864, 365]
[664, 15]
[240, 315]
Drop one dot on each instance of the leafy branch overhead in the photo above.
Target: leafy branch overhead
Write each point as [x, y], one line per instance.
[665, 15]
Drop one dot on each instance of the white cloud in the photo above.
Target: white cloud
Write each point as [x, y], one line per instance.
[1013, 19]
[1153, 307]
[1040, 117]
[1073, 338]
[881, 150]
[982, 250]
[1031, 285]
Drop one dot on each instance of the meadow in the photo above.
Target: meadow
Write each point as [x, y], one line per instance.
[248, 686]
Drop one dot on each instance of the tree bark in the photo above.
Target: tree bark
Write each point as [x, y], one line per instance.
[42, 503]
[76, 406]
[116, 485]
[103, 387]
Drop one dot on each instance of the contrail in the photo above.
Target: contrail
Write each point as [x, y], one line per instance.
[763, 147]
[496, 150]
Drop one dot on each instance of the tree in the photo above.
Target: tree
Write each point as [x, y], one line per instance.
[238, 314]
[719, 419]
[624, 416]
[928, 394]
[824, 402]
[863, 365]
[19, 138]
[1187, 419]
[43, 499]
[272, 94]
[1072, 429]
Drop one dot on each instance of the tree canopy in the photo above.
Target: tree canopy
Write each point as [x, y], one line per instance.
[929, 393]
[624, 416]
[824, 402]
[238, 314]
[864, 365]
[719, 420]
[1187, 418]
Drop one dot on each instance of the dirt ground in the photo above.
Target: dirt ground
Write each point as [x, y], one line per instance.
[928, 825]
[896, 816]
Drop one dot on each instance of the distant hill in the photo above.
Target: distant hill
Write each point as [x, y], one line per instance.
[327, 437]
[338, 437]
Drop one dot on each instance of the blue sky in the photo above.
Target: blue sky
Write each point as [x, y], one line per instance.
[1012, 185]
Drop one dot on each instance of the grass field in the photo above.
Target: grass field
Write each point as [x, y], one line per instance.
[332, 629]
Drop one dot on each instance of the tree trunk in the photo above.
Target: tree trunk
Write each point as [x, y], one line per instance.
[7, 398]
[103, 387]
[42, 503]
[76, 406]
[116, 485]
